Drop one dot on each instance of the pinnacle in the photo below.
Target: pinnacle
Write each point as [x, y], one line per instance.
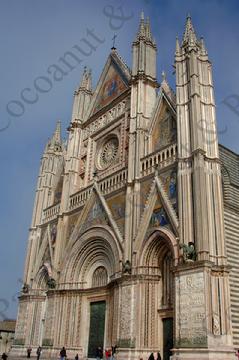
[164, 76]
[148, 30]
[144, 31]
[55, 141]
[86, 81]
[177, 50]
[57, 134]
[202, 45]
[141, 31]
[189, 33]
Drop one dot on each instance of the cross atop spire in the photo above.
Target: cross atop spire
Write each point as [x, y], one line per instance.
[189, 33]
[113, 39]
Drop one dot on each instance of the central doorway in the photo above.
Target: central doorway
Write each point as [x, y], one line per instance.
[97, 327]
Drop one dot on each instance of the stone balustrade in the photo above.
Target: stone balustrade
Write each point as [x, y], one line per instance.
[159, 159]
[80, 198]
[107, 185]
[113, 182]
[51, 212]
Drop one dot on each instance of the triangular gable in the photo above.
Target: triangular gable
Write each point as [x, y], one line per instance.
[95, 216]
[113, 81]
[158, 211]
[162, 126]
[95, 212]
[161, 101]
[42, 250]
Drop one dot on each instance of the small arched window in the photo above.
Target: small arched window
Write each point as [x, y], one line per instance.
[100, 277]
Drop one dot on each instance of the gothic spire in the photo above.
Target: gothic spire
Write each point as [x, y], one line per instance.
[55, 141]
[148, 30]
[189, 36]
[144, 33]
[86, 81]
[57, 134]
[141, 31]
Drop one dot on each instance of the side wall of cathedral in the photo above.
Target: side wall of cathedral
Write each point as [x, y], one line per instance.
[230, 172]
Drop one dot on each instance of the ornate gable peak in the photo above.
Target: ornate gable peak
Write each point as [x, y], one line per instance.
[165, 94]
[113, 81]
[120, 61]
[168, 91]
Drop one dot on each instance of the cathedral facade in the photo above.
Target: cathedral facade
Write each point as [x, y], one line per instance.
[134, 235]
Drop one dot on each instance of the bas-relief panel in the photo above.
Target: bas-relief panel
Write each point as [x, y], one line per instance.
[117, 208]
[127, 317]
[22, 320]
[190, 303]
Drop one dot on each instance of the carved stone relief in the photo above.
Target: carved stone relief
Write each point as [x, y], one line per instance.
[191, 323]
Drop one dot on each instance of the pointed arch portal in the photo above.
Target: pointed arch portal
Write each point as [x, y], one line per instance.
[159, 255]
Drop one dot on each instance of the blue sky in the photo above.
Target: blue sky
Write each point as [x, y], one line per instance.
[34, 35]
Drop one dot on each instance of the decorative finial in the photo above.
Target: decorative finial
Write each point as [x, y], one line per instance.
[177, 51]
[202, 45]
[148, 30]
[142, 15]
[163, 75]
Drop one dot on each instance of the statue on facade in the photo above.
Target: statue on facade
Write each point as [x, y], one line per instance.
[189, 252]
[25, 288]
[127, 267]
[51, 283]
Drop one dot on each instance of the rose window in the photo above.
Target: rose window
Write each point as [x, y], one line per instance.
[108, 152]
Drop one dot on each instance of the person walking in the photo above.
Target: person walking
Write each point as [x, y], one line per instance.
[38, 352]
[29, 350]
[151, 356]
[113, 351]
[77, 357]
[99, 353]
[63, 353]
[4, 356]
[158, 356]
[107, 354]
[237, 354]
